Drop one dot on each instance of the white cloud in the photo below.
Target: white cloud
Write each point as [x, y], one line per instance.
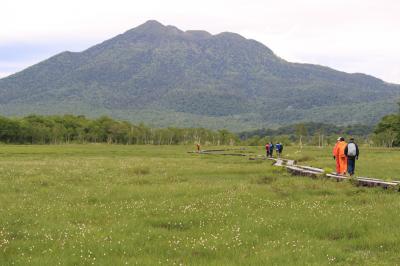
[351, 35]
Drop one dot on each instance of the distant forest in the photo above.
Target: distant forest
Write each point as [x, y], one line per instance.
[35, 129]
[385, 134]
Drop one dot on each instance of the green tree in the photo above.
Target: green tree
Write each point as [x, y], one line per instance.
[301, 131]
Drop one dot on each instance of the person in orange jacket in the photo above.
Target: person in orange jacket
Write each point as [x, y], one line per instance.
[336, 158]
[342, 156]
[198, 147]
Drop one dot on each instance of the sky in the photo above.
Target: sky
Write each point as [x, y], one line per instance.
[350, 35]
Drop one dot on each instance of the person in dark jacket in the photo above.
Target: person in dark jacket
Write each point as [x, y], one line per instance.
[271, 149]
[279, 149]
[352, 152]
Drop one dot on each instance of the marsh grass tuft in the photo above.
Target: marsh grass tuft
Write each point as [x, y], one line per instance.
[140, 181]
[176, 179]
[44, 183]
[171, 225]
[279, 171]
[264, 180]
[305, 158]
[342, 233]
[140, 170]
[328, 170]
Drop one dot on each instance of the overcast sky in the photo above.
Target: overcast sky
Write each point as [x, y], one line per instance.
[349, 35]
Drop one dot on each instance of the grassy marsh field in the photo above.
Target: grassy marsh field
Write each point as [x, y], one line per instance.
[146, 205]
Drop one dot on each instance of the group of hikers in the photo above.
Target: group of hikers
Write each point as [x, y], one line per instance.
[269, 149]
[345, 155]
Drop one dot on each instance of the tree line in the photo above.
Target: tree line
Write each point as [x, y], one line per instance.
[310, 133]
[35, 129]
[387, 132]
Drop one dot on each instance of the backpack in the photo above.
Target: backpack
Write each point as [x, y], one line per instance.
[351, 150]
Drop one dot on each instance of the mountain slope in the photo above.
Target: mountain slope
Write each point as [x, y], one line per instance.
[164, 76]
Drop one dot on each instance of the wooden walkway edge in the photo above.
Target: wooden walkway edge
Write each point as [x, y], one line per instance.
[304, 170]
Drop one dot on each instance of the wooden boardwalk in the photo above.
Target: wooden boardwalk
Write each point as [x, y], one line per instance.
[337, 177]
[304, 170]
[218, 152]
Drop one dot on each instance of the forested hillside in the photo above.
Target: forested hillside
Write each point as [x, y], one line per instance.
[163, 76]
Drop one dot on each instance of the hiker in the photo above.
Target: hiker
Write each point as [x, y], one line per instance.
[267, 149]
[336, 158]
[352, 153]
[279, 149]
[342, 156]
[271, 149]
[198, 147]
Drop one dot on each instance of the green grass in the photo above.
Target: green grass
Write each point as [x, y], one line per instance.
[145, 205]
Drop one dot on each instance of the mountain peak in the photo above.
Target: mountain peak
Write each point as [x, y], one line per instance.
[150, 25]
[230, 35]
[153, 27]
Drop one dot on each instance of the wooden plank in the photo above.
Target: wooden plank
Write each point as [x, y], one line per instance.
[299, 171]
[241, 149]
[257, 158]
[368, 178]
[290, 162]
[372, 182]
[311, 173]
[337, 177]
[226, 154]
[376, 183]
[223, 154]
[294, 168]
[319, 170]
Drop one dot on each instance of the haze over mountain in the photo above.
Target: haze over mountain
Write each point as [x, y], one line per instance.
[167, 77]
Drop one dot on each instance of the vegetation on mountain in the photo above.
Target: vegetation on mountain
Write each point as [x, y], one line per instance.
[163, 76]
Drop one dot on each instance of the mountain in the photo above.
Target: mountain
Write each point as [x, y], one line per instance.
[167, 77]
